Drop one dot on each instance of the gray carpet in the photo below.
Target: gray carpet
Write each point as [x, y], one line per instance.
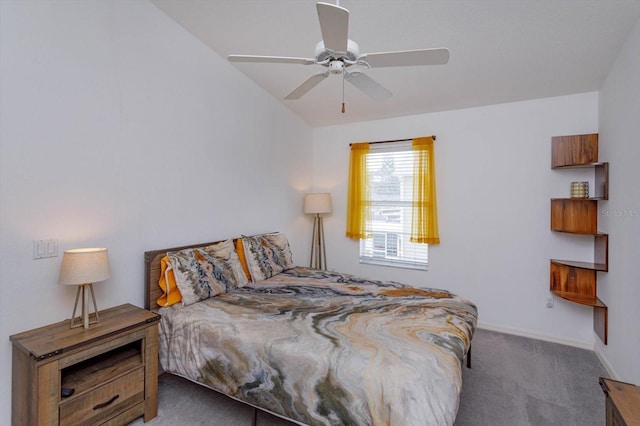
[513, 381]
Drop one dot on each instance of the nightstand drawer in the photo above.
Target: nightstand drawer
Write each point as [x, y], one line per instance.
[98, 405]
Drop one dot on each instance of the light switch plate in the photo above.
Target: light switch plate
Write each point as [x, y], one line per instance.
[43, 249]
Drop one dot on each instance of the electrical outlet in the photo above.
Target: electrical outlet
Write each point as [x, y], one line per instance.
[549, 302]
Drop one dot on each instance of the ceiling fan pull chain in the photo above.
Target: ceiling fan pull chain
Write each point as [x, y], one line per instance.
[343, 75]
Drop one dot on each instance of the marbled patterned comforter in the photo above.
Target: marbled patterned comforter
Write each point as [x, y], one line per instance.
[324, 348]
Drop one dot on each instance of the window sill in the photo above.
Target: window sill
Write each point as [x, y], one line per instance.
[394, 264]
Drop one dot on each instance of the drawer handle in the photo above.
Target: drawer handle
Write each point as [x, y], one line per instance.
[104, 404]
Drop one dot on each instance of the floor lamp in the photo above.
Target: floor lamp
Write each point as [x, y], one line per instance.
[318, 203]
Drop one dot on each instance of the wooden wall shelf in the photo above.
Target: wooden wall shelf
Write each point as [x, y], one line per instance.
[568, 279]
[600, 255]
[574, 150]
[574, 215]
[600, 178]
[582, 265]
[576, 281]
[572, 297]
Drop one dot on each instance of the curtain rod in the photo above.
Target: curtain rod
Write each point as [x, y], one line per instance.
[397, 140]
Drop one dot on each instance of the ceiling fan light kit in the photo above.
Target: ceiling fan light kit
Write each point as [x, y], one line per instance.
[338, 53]
[336, 67]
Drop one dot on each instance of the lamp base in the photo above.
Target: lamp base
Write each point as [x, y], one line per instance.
[84, 319]
[318, 258]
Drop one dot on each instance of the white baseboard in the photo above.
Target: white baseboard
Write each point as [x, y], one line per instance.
[606, 364]
[545, 337]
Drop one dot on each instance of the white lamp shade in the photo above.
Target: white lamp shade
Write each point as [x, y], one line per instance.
[84, 266]
[318, 202]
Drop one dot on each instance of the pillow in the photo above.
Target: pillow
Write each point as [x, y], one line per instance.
[193, 275]
[225, 257]
[201, 273]
[266, 255]
[171, 294]
[279, 248]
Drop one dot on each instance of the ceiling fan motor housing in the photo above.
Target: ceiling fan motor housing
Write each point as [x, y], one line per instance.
[352, 53]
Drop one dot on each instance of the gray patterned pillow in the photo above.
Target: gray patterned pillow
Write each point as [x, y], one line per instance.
[267, 255]
[206, 272]
[225, 257]
[279, 249]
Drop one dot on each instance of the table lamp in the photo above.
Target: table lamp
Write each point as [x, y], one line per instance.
[318, 203]
[83, 267]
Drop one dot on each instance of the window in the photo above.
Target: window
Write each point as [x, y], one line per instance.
[390, 178]
[392, 202]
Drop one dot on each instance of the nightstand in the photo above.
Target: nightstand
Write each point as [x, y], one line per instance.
[112, 368]
[622, 403]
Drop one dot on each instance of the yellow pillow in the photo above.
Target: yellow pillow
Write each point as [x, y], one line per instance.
[243, 259]
[171, 292]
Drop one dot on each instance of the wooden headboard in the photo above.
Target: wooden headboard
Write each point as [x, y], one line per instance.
[152, 290]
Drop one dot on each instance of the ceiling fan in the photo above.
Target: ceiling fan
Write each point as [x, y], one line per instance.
[338, 54]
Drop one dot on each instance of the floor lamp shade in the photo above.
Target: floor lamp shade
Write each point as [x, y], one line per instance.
[318, 203]
[83, 267]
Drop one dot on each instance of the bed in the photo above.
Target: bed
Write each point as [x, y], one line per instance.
[318, 347]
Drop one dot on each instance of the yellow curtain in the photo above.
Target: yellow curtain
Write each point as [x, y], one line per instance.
[358, 201]
[424, 215]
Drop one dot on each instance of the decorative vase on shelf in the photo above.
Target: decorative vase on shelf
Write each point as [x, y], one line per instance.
[579, 189]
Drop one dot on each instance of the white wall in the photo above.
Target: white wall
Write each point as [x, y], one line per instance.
[620, 216]
[494, 182]
[120, 129]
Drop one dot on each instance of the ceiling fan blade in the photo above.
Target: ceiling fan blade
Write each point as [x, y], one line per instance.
[307, 85]
[404, 58]
[367, 85]
[271, 59]
[334, 24]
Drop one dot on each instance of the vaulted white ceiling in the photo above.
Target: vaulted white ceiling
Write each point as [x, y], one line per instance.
[501, 50]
